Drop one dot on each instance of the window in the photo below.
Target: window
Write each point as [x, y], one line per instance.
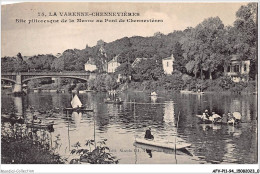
[236, 68]
[244, 67]
[167, 64]
[228, 69]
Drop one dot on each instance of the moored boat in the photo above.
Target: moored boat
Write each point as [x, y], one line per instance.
[191, 92]
[48, 127]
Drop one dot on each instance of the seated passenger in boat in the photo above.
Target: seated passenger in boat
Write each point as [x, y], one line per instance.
[207, 114]
[231, 118]
[237, 116]
[224, 118]
[215, 117]
[204, 116]
[148, 134]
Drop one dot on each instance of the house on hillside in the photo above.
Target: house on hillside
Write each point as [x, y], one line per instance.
[112, 65]
[168, 64]
[237, 69]
[138, 61]
[90, 65]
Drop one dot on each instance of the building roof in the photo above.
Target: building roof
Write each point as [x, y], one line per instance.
[137, 61]
[114, 59]
[234, 57]
[169, 58]
[91, 61]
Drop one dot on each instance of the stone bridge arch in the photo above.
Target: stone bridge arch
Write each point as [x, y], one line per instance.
[9, 80]
[41, 77]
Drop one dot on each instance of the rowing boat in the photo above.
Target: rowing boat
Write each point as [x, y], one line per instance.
[162, 144]
[162, 149]
[77, 106]
[191, 92]
[48, 127]
[79, 109]
[208, 121]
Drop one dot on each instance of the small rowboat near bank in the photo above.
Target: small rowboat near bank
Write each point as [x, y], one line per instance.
[191, 92]
[162, 144]
[48, 127]
[12, 119]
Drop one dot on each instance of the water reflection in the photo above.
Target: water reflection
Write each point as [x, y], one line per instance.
[169, 112]
[77, 116]
[121, 123]
[18, 105]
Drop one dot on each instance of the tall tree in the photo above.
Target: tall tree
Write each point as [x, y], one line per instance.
[203, 47]
[246, 37]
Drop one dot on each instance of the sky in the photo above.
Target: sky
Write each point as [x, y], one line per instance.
[46, 38]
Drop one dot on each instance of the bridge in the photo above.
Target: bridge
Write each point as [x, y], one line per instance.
[20, 78]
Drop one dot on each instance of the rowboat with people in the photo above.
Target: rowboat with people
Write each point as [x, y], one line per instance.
[77, 105]
[233, 119]
[116, 101]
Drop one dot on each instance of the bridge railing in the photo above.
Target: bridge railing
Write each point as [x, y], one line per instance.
[46, 73]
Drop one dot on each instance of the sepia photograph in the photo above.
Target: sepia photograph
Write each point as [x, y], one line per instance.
[129, 83]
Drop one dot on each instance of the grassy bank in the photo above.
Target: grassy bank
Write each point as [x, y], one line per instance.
[20, 146]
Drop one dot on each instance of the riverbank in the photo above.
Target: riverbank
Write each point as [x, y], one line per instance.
[26, 152]
[17, 147]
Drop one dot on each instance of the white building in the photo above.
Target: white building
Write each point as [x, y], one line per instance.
[90, 65]
[168, 64]
[112, 65]
[237, 69]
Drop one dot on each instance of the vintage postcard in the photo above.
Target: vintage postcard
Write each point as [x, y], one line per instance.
[129, 83]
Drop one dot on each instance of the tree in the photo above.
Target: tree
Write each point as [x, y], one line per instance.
[100, 42]
[203, 47]
[246, 36]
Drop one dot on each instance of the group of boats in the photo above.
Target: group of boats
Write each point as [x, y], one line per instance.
[235, 119]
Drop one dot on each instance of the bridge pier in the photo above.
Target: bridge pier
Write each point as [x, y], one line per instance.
[18, 84]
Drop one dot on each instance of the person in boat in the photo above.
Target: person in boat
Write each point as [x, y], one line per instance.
[215, 117]
[224, 118]
[36, 120]
[237, 117]
[231, 118]
[207, 114]
[204, 116]
[148, 134]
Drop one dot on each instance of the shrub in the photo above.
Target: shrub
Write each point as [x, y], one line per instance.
[99, 155]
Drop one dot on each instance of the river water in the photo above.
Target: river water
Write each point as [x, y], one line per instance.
[120, 124]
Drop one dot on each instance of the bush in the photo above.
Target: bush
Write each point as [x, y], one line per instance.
[99, 155]
[18, 146]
